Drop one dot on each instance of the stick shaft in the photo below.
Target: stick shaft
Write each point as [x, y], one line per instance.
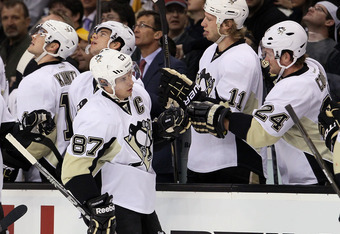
[312, 147]
[48, 175]
[12, 216]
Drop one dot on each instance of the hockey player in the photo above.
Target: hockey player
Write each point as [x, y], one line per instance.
[229, 71]
[283, 48]
[110, 154]
[110, 34]
[47, 87]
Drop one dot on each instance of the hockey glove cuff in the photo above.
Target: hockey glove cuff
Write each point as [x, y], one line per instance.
[207, 117]
[103, 218]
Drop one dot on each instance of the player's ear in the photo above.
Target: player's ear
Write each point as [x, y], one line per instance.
[53, 47]
[116, 45]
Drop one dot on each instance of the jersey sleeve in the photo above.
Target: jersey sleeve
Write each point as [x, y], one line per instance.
[35, 93]
[87, 153]
[271, 121]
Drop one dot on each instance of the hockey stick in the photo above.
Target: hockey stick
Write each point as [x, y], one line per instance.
[99, 12]
[165, 45]
[12, 216]
[312, 147]
[48, 175]
[161, 7]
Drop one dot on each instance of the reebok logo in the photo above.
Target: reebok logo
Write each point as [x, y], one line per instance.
[105, 209]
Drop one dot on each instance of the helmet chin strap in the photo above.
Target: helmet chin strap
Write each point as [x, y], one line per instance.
[283, 68]
[222, 36]
[43, 54]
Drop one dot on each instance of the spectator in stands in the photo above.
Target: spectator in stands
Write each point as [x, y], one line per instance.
[80, 55]
[15, 21]
[333, 69]
[72, 8]
[36, 9]
[148, 34]
[176, 15]
[321, 21]
[118, 11]
[194, 30]
[262, 15]
[89, 17]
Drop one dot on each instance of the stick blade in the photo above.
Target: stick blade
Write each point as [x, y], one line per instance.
[12, 216]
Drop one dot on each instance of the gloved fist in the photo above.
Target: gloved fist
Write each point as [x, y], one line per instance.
[38, 122]
[177, 90]
[103, 218]
[207, 117]
[172, 122]
[329, 123]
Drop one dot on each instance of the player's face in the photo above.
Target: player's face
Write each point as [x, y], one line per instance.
[99, 40]
[268, 55]
[37, 43]
[210, 27]
[124, 84]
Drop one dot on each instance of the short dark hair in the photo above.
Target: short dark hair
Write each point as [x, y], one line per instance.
[75, 6]
[124, 10]
[13, 3]
[156, 17]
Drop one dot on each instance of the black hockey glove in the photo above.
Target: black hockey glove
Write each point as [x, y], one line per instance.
[329, 123]
[38, 122]
[172, 122]
[103, 218]
[177, 90]
[207, 117]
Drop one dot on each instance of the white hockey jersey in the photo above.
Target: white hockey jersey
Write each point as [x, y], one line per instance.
[305, 92]
[5, 116]
[234, 76]
[114, 141]
[47, 89]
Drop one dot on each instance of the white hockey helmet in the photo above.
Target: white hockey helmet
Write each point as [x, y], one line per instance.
[119, 30]
[61, 32]
[109, 65]
[286, 35]
[228, 9]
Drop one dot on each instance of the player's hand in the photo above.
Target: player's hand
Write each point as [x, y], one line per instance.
[38, 122]
[172, 122]
[207, 117]
[103, 218]
[329, 123]
[177, 90]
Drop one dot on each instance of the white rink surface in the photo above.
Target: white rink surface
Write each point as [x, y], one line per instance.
[206, 212]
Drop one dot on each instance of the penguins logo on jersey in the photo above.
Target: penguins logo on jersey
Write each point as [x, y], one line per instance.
[208, 82]
[140, 140]
[281, 30]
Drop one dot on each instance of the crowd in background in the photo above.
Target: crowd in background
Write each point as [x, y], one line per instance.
[187, 43]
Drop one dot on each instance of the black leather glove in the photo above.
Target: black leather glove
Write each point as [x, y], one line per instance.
[38, 122]
[178, 90]
[172, 122]
[329, 123]
[103, 218]
[207, 117]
